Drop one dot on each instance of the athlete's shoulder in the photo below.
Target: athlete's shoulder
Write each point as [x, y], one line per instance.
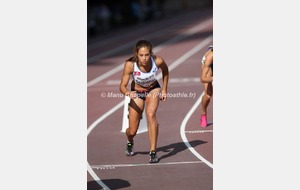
[129, 66]
[128, 63]
[158, 59]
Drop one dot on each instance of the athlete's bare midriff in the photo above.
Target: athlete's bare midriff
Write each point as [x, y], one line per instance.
[141, 88]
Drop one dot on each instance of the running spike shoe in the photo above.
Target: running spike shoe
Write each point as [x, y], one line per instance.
[203, 121]
[129, 149]
[153, 157]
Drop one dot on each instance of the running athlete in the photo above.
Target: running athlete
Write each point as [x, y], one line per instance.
[206, 78]
[145, 90]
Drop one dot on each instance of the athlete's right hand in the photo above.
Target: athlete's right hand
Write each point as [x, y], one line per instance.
[163, 96]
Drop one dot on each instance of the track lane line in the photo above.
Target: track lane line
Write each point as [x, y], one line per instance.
[158, 48]
[183, 136]
[96, 178]
[113, 166]
[199, 131]
[191, 31]
[176, 63]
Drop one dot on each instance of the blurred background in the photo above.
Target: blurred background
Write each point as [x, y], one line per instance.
[104, 16]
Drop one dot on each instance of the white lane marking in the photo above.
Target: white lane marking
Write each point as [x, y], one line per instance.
[183, 136]
[90, 170]
[180, 60]
[156, 49]
[201, 45]
[113, 166]
[105, 75]
[111, 111]
[119, 48]
[183, 80]
[96, 178]
[172, 80]
[200, 131]
[186, 34]
[103, 42]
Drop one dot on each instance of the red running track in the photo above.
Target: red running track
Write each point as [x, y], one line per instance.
[185, 150]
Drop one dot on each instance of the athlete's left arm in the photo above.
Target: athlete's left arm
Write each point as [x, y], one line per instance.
[165, 73]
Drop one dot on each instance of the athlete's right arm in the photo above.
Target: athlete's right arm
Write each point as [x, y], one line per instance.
[128, 69]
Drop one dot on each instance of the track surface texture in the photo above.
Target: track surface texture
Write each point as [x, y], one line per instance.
[185, 149]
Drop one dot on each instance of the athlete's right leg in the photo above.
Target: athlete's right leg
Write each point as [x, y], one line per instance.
[208, 92]
[136, 108]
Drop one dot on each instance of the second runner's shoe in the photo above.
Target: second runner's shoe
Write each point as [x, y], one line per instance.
[203, 121]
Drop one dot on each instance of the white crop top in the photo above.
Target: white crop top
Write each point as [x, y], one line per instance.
[144, 79]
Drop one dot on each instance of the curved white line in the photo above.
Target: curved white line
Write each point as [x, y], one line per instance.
[96, 178]
[90, 170]
[183, 136]
[111, 111]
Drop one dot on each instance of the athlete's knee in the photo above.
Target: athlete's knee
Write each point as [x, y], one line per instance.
[131, 132]
[151, 115]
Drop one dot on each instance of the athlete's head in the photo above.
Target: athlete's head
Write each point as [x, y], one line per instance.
[141, 48]
[143, 51]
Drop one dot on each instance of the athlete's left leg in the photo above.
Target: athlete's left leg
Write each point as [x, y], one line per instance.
[152, 102]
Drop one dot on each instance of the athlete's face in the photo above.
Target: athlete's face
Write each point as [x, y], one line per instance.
[143, 55]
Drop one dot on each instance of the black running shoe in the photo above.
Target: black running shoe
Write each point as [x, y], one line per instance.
[153, 157]
[129, 149]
